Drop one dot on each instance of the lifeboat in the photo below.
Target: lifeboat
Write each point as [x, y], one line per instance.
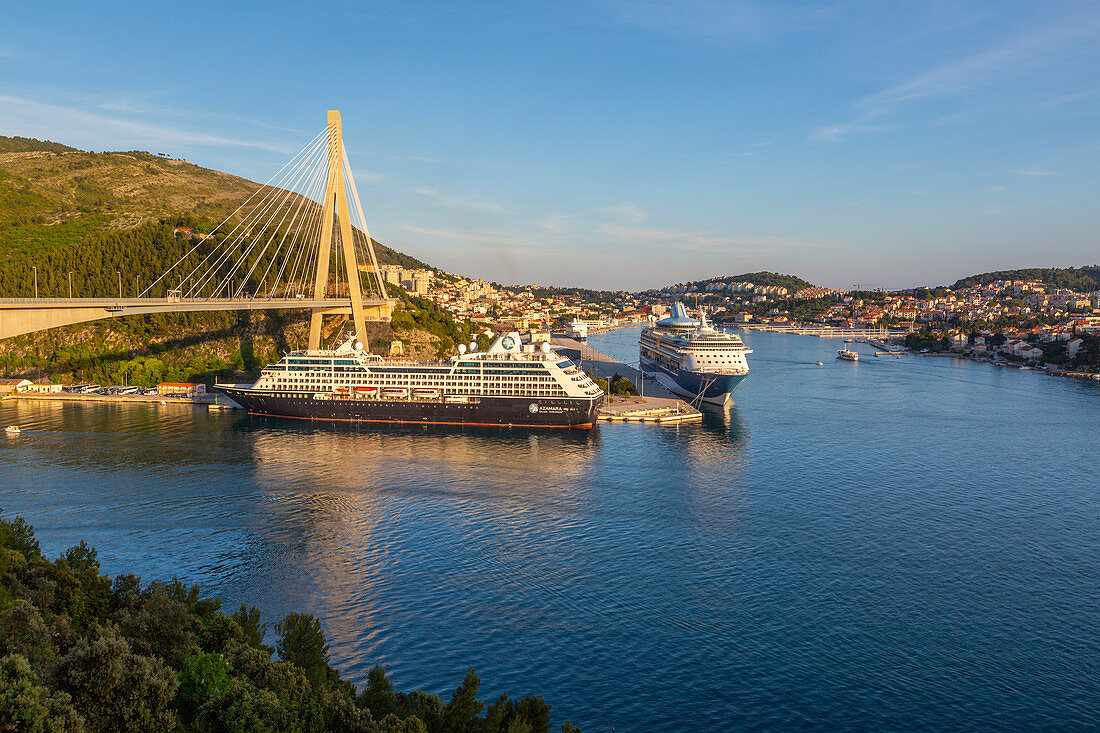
[432, 392]
[395, 391]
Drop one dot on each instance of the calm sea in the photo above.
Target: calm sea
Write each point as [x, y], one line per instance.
[896, 544]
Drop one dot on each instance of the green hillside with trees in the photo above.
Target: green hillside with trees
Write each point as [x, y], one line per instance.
[72, 216]
[80, 651]
[792, 283]
[29, 144]
[1081, 279]
[52, 196]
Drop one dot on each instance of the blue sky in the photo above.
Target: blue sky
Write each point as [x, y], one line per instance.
[617, 144]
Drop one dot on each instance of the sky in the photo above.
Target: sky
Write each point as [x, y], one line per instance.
[614, 144]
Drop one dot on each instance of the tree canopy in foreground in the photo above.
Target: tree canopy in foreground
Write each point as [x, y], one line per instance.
[82, 652]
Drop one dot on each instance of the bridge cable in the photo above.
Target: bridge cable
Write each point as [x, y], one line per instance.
[287, 205]
[235, 212]
[296, 240]
[262, 221]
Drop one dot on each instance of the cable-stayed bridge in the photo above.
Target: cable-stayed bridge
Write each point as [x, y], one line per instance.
[299, 242]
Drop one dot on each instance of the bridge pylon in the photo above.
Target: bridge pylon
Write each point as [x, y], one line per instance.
[335, 212]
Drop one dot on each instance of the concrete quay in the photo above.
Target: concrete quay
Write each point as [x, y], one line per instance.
[821, 331]
[211, 401]
[658, 405]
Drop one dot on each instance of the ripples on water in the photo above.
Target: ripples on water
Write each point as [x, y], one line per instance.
[898, 543]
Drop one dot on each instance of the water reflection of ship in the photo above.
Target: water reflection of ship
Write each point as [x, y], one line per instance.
[720, 437]
[341, 528]
[710, 474]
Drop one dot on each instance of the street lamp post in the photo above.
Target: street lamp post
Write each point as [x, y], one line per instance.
[119, 273]
[33, 267]
[70, 284]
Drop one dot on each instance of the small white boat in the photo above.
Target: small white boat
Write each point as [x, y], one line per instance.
[847, 355]
[12, 430]
[821, 363]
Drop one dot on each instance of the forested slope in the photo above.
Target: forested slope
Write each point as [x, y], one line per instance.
[80, 651]
[1082, 279]
[85, 218]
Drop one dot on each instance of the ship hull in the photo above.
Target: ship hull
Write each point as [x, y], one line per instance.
[715, 388]
[560, 412]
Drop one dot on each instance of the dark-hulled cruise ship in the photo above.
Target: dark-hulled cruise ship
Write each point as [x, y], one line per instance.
[688, 357]
[510, 383]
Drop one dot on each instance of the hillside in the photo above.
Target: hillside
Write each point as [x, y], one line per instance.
[792, 283]
[52, 196]
[1082, 279]
[27, 144]
[91, 215]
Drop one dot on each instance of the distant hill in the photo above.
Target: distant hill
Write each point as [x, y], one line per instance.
[1082, 279]
[792, 283]
[52, 196]
[29, 144]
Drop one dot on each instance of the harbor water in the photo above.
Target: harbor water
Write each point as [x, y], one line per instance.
[898, 543]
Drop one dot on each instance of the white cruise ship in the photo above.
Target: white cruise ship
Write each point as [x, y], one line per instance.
[510, 383]
[688, 357]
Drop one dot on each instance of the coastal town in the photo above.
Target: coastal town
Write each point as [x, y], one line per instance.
[1018, 320]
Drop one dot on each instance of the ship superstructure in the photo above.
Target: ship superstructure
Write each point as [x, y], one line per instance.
[510, 383]
[690, 358]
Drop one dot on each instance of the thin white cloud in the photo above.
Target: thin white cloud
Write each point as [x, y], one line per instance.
[66, 122]
[834, 133]
[129, 104]
[451, 201]
[556, 223]
[642, 234]
[992, 211]
[627, 212]
[1035, 172]
[966, 75]
[375, 177]
[697, 241]
[492, 238]
[751, 150]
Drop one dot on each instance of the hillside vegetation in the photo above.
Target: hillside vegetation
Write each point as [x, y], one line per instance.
[82, 652]
[29, 144]
[792, 283]
[52, 196]
[68, 215]
[1082, 279]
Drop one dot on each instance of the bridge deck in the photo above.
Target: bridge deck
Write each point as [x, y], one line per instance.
[181, 303]
[25, 315]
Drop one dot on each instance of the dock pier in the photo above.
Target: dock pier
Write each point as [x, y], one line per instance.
[658, 405]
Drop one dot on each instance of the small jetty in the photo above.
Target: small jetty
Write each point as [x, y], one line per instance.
[658, 405]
